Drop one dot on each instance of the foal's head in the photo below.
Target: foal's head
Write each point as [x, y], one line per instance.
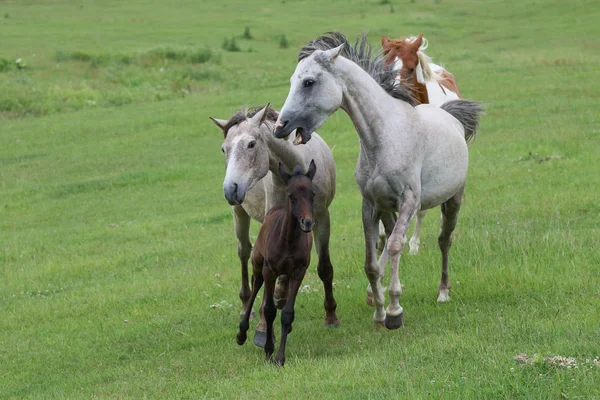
[300, 194]
[246, 151]
[403, 54]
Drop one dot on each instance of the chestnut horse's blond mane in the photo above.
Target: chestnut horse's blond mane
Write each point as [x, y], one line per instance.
[425, 61]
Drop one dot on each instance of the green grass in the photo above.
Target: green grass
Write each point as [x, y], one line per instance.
[118, 268]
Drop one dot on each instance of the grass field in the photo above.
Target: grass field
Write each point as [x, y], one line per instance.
[118, 269]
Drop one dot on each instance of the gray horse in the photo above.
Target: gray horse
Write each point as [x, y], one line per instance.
[411, 158]
[252, 186]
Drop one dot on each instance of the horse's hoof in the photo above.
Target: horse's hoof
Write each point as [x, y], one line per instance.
[278, 362]
[279, 303]
[241, 338]
[394, 321]
[444, 296]
[260, 339]
[332, 324]
[413, 251]
[370, 301]
[378, 324]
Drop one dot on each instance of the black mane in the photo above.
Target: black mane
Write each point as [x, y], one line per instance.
[361, 54]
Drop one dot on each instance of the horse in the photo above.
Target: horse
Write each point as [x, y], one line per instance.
[283, 247]
[412, 157]
[253, 186]
[429, 83]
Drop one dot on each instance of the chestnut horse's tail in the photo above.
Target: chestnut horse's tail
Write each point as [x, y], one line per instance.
[468, 113]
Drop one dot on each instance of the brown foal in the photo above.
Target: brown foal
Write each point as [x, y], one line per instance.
[282, 248]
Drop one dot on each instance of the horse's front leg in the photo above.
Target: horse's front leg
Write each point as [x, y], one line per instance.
[388, 220]
[241, 224]
[257, 282]
[321, 233]
[287, 314]
[374, 274]
[270, 309]
[408, 205]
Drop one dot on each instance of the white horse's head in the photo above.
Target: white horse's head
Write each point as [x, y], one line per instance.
[246, 151]
[315, 93]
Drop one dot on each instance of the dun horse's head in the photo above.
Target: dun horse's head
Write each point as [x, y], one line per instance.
[315, 93]
[246, 151]
[403, 55]
[300, 194]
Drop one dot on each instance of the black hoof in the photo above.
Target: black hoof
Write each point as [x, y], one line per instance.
[280, 303]
[241, 338]
[334, 324]
[260, 339]
[279, 362]
[394, 321]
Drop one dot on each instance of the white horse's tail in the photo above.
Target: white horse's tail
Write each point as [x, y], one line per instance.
[467, 112]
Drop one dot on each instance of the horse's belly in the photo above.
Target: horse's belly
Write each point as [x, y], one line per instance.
[442, 180]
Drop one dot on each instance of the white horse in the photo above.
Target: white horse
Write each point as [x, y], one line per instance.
[252, 186]
[411, 158]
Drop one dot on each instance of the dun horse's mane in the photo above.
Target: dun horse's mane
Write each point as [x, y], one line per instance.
[361, 54]
[242, 114]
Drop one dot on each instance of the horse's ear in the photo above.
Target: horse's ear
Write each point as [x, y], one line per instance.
[283, 174]
[384, 41]
[332, 54]
[219, 122]
[261, 116]
[312, 170]
[418, 41]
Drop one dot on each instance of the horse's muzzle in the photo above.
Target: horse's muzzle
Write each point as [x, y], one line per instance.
[233, 194]
[307, 224]
[281, 129]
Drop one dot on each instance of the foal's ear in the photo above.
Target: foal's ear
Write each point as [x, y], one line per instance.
[312, 170]
[261, 116]
[384, 40]
[418, 41]
[283, 174]
[219, 122]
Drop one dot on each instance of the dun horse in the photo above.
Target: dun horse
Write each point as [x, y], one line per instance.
[252, 186]
[429, 83]
[282, 248]
[411, 158]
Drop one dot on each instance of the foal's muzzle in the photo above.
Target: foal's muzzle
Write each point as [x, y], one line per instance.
[306, 224]
[233, 194]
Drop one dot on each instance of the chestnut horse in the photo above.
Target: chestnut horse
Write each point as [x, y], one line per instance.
[282, 248]
[429, 83]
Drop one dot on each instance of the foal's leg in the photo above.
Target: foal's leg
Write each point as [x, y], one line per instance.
[257, 282]
[415, 240]
[388, 220]
[287, 315]
[241, 224]
[260, 334]
[450, 210]
[370, 225]
[325, 269]
[408, 206]
[270, 309]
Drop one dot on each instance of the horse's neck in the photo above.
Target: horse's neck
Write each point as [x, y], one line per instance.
[369, 106]
[290, 227]
[284, 152]
[420, 92]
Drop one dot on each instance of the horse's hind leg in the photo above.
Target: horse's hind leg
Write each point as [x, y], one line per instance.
[270, 309]
[415, 240]
[407, 208]
[287, 314]
[241, 224]
[370, 219]
[450, 210]
[257, 282]
[321, 233]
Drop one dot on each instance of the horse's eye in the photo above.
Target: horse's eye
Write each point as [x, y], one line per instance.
[223, 149]
[411, 70]
[252, 144]
[308, 83]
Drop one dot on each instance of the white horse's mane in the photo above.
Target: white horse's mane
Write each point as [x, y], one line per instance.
[428, 74]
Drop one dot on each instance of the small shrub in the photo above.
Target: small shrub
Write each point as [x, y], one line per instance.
[5, 65]
[200, 56]
[384, 2]
[283, 42]
[6, 15]
[230, 45]
[392, 10]
[247, 34]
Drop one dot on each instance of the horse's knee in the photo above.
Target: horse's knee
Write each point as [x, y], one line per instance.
[287, 317]
[270, 311]
[444, 240]
[395, 245]
[372, 272]
[244, 251]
